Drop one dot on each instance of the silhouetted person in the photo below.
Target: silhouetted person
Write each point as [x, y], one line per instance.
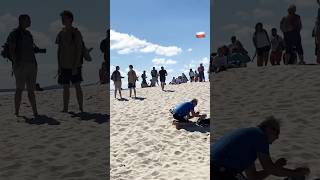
[154, 76]
[262, 44]
[163, 73]
[103, 73]
[70, 46]
[132, 78]
[201, 73]
[316, 35]
[291, 27]
[22, 54]
[237, 152]
[277, 46]
[105, 49]
[144, 79]
[116, 78]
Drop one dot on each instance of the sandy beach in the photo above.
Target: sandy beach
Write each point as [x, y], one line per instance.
[75, 149]
[145, 144]
[244, 97]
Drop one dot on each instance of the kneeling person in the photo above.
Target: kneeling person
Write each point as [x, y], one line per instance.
[182, 111]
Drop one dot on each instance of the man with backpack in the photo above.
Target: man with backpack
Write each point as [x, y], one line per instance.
[70, 59]
[154, 75]
[291, 27]
[20, 50]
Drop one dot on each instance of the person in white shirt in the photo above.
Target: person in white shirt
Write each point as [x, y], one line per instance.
[262, 44]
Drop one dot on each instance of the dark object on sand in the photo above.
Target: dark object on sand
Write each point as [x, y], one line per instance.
[295, 178]
[38, 88]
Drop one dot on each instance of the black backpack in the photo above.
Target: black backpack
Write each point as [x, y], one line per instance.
[5, 53]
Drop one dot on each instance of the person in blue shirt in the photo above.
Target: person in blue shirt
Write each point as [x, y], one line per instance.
[237, 152]
[182, 112]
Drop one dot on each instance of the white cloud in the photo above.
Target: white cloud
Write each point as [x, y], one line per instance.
[163, 61]
[7, 23]
[256, 13]
[302, 3]
[189, 50]
[262, 13]
[204, 61]
[126, 44]
[41, 39]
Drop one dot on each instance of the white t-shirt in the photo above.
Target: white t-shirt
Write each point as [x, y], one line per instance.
[191, 74]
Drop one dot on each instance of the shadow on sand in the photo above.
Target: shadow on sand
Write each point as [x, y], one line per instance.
[41, 119]
[193, 127]
[169, 91]
[86, 116]
[140, 98]
[122, 99]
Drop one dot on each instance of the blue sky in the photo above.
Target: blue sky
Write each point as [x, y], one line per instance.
[90, 17]
[147, 33]
[240, 19]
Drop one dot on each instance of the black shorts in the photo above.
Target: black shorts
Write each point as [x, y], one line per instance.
[131, 85]
[179, 118]
[66, 77]
[162, 79]
[216, 174]
[292, 41]
[261, 51]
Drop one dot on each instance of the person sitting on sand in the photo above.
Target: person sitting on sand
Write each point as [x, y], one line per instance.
[182, 111]
[173, 81]
[237, 152]
[220, 61]
[236, 46]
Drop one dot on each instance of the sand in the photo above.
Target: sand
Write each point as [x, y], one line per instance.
[244, 97]
[145, 144]
[77, 149]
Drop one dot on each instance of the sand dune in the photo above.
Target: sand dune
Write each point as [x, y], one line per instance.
[244, 97]
[145, 144]
[75, 149]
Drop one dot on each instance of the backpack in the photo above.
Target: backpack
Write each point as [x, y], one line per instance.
[5, 53]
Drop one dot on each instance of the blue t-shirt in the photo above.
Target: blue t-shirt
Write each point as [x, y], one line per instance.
[238, 150]
[183, 109]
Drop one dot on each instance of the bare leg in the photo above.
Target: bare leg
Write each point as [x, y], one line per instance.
[266, 58]
[120, 93]
[32, 99]
[259, 61]
[79, 96]
[287, 58]
[17, 101]
[135, 93]
[130, 91]
[301, 59]
[115, 93]
[66, 97]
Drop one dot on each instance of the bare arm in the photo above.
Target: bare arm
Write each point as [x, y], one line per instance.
[272, 169]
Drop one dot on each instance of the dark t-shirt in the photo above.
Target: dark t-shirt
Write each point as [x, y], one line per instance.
[154, 73]
[162, 73]
[238, 150]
